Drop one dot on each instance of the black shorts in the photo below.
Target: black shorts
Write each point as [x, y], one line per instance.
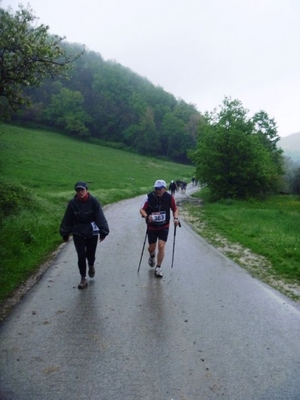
[161, 234]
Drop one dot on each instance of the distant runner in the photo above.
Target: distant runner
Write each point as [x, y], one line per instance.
[183, 187]
[172, 188]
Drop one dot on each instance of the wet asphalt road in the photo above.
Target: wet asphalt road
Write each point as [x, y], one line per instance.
[207, 330]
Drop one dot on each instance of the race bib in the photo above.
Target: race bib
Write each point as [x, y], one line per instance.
[159, 217]
[95, 228]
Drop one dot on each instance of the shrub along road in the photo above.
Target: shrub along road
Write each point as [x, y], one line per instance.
[206, 330]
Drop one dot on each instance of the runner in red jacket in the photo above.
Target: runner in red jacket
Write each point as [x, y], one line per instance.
[157, 209]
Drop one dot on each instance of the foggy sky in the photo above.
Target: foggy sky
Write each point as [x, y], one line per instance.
[198, 50]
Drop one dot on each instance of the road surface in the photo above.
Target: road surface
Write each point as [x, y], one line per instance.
[206, 330]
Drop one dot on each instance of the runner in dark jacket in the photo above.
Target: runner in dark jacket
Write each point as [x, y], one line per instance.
[157, 209]
[172, 188]
[85, 220]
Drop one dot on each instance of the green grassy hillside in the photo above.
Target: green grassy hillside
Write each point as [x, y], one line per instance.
[38, 172]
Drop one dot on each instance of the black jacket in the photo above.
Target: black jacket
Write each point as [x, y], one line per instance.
[172, 186]
[160, 209]
[79, 216]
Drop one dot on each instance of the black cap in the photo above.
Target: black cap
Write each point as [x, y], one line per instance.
[80, 185]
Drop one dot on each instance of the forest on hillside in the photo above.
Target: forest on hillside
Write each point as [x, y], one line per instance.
[64, 87]
[106, 102]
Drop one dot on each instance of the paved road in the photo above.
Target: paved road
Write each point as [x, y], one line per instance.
[207, 330]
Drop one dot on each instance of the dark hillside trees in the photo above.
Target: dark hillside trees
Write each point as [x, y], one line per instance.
[96, 100]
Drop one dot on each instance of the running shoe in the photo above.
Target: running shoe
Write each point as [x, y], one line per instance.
[158, 272]
[151, 261]
[83, 283]
[91, 271]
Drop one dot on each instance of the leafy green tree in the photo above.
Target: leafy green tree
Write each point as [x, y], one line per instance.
[28, 55]
[149, 135]
[66, 112]
[173, 130]
[144, 136]
[138, 105]
[266, 130]
[230, 158]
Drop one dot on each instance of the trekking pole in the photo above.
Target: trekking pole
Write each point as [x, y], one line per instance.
[174, 242]
[142, 252]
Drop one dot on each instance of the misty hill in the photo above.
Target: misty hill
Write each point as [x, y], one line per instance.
[106, 102]
[291, 146]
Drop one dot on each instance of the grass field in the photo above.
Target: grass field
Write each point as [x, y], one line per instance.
[270, 229]
[38, 173]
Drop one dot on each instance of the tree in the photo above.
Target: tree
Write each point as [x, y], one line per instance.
[66, 110]
[149, 135]
[230, 158]
[266, 130]
[28, 55]
[173, 130]
[296, 182]
[144, 136]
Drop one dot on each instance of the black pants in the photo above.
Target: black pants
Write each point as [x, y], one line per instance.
[86, 250]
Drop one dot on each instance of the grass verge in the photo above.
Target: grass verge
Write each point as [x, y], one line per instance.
[261, 236]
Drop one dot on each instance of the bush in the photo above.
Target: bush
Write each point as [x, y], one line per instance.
[14, 198]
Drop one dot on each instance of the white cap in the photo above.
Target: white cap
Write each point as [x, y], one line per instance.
[160, 183]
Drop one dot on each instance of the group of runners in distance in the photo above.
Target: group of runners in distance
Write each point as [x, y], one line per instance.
[177, 185]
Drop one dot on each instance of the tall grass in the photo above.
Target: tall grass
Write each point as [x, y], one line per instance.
[38, 173]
